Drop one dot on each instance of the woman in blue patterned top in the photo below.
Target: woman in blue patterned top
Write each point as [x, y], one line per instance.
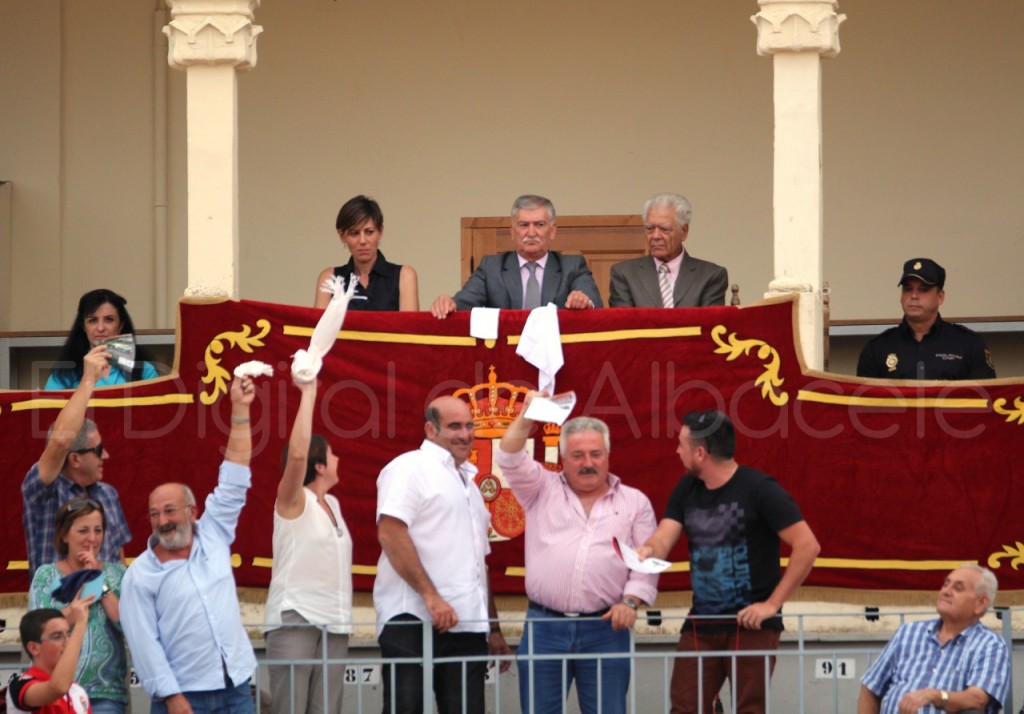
[102, 665]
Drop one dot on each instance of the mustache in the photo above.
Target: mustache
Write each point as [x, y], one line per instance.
[167, 528]
[588, 470]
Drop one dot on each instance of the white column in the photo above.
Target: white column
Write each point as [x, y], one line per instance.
[211, 40]
[797, 34]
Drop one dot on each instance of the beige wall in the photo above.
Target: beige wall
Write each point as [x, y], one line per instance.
[449, 110]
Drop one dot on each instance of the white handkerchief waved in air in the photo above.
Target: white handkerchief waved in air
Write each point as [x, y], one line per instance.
[254, 368]
[554, 410]
[633, 562]
[541, 345]
[483, 323]
[306, 364]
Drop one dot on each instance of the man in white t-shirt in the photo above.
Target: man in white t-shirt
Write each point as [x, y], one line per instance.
[432, 526]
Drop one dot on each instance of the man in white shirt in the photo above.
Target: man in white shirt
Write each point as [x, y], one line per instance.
[432, 526]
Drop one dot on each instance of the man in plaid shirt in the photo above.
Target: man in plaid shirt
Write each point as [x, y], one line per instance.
[72, 466]
[953, 664]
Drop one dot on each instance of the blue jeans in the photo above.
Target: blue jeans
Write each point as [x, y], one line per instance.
[107, 706]
[566, 636]
[231, 700]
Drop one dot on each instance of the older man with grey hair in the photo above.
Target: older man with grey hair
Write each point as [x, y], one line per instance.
[72, 467]
[668, 276]
[953, 663]
[530, 276]
[582, 597]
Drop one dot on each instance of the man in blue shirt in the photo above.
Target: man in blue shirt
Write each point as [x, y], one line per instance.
[179, 609]
[951, 664]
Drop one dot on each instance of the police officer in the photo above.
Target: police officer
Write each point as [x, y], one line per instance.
[923, 345]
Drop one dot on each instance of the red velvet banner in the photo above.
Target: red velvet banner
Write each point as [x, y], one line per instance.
[899, 483]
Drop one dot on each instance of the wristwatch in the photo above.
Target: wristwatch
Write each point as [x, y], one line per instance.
[630, 602]
[106, 589]
[943, 699]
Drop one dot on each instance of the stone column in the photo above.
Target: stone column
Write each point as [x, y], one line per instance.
[211, 40]
[797, 34]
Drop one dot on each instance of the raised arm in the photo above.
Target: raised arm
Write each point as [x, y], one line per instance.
[514, 439]
[95, 366]
[63, 675]
[239, 448]
[291, 500]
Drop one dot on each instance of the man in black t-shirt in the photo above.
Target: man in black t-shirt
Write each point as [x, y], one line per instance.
[734, 518]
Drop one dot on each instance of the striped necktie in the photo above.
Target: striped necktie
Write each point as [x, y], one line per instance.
[666, 285]
[532, 288]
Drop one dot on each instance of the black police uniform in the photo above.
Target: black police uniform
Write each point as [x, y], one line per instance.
[948, 351]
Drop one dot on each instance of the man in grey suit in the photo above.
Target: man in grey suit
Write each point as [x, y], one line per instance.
[529, 276]
[669, 276]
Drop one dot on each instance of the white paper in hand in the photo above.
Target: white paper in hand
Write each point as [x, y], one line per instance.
[633, 562]
[554, 410]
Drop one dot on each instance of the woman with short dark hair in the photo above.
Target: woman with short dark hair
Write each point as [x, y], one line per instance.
[382, 285]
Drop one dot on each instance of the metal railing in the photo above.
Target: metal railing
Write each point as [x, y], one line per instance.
[811, 673]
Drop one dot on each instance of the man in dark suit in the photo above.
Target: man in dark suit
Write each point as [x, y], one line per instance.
[530, 276]
[669, 276]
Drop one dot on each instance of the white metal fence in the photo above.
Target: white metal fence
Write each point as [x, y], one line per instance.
[818, 667]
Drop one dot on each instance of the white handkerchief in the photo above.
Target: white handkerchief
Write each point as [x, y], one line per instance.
[633, 562]
[554, 410]
[306, 364]
[254, 368]
[483, 323]
[541, 345]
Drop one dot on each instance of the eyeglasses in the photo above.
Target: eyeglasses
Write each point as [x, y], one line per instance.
[98, 450]
[169, 511]
[56, 637]
[79, 504]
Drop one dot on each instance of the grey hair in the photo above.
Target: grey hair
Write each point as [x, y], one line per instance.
[581, 424]
[190, 498]
[81, 440]
[987, 585]
[679, 204]
[530, 201]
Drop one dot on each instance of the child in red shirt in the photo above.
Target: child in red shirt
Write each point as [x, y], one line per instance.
[53, 642]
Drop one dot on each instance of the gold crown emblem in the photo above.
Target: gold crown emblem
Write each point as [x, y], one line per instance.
[493, 405]
[917, 265]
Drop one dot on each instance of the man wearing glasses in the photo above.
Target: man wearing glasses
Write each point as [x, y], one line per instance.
[72, 466]
[179, 607]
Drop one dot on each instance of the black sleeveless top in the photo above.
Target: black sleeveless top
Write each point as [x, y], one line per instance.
[381, 291]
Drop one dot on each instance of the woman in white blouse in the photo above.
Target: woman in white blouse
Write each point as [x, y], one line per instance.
[310, 596]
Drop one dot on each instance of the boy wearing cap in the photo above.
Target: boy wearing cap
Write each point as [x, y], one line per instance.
[923, 345]
[54, 644]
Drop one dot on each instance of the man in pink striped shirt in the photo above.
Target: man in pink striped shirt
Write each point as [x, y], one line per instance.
[582, 598]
